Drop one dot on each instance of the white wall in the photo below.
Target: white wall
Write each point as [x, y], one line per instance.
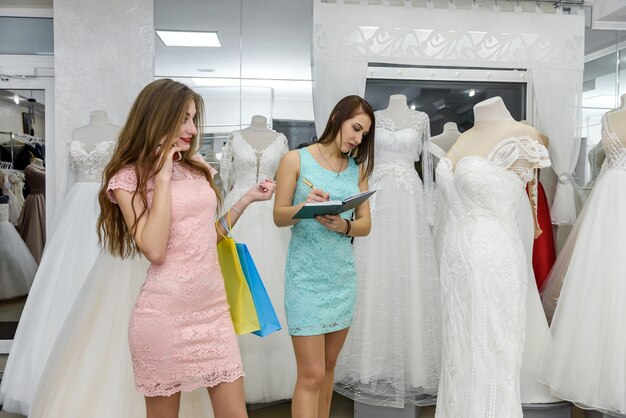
[104, 54]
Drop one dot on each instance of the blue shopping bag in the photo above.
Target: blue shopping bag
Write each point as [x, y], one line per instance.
[265, 311]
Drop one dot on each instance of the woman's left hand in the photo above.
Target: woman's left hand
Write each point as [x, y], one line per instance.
[262, 191]
[333, 223]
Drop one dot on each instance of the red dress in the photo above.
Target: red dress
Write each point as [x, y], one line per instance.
[544, 252]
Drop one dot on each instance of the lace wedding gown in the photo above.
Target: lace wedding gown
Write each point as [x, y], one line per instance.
[269, 362]
[391, 355]
[70, 252]
[584, 361]
[89, 373]
[484, 279]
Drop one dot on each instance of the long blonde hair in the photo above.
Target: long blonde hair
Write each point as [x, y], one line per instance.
[155, 118]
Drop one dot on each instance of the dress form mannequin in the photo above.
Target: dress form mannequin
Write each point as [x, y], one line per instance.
[617, 118]
[99, 129]
[249, 156]
[448, 137]
[492, 124]
[397, 109]
[504, 151]
[258, 135]
[38, 164]
[391, 355]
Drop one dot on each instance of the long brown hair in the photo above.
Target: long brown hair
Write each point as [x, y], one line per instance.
[347, 108]
[155, 118]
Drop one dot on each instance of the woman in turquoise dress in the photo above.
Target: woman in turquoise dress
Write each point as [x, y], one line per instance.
[320, 277]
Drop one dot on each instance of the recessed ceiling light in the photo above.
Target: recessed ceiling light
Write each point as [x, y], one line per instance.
[196, 39]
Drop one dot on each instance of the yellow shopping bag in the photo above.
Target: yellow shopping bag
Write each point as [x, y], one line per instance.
[242, 310]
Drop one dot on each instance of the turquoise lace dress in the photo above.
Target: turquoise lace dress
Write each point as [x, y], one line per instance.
[320, 277]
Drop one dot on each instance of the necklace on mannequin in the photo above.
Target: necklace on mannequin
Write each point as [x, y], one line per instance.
[327, 163]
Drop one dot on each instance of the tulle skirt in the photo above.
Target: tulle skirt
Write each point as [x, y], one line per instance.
[584, 361]
[89, 373]
[17, 265]
[69, 255]
[392, 353]
[269, 362]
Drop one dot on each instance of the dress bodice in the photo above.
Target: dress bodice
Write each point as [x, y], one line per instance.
[36, 179]
[400, 144]
[87, 167]
[491, 186]
[4, 212]
[614, 148]
[242, 166]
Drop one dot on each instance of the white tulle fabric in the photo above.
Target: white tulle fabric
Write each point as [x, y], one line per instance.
[17, 265]
[484, 279]
[584, 361]
[391, 356]
[89, 373]
[269, 362]
[70, 252]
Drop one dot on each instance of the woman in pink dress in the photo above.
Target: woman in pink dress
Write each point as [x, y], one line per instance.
[159, 198]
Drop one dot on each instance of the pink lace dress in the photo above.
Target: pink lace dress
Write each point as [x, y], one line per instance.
[181, 336]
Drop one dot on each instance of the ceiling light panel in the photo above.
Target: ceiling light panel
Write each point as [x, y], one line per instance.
[193, 39]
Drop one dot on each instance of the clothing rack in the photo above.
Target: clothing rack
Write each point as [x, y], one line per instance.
[29, 139]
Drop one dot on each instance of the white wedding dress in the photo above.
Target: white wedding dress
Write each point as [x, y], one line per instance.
[269, 362]
[89, 373]
[584, 361]
[484, 279]
[392, 352]
[17, 265]
[70, 252]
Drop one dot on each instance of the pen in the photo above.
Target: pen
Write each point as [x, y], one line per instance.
[308, 183]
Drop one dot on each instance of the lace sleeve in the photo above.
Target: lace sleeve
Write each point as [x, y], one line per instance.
[226, 165]
[523, 156]
[427, 171]
[125, 179]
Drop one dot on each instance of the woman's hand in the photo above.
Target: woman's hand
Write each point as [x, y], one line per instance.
[262, 191]
[334, 223]
[317, 195]
[165, 173]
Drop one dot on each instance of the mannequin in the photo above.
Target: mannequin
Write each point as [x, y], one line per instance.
[70, 254]
[448, 137]
[32, 222]
[249, 156]
[391, 355]
[492, 124]
[490, 235]
[618, 121]
[583, 358]
[258, 135]
[100, 128]
[38, 164]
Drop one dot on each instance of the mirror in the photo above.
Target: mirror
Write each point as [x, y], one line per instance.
[22, 199]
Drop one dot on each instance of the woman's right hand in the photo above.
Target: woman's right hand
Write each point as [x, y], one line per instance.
[165, 173]
[317, 195]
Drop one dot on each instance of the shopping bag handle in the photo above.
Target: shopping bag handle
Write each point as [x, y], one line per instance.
[227, 228]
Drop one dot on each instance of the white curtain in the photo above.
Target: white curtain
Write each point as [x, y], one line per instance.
[333, 80]
[557, 97]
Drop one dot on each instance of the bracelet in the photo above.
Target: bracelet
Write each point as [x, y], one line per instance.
[233, 207]
[348, 228]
